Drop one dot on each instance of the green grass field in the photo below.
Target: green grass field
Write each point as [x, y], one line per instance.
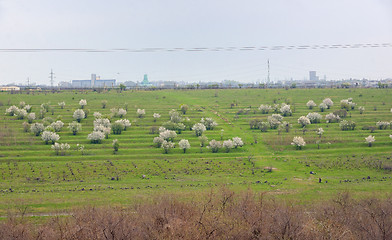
[32, 175]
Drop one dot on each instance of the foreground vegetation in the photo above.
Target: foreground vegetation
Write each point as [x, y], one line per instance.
[221, 215]
[40, 179]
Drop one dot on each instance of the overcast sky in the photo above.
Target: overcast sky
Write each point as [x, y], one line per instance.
[169, 24]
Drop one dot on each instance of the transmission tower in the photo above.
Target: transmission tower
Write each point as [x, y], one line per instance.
[51, 76]
[268, 78]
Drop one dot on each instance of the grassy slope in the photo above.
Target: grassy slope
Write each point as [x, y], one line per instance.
[46, 182]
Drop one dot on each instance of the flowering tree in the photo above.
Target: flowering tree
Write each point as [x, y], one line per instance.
[31, 117]
[175, 116]
[203, 139]
[121, 112]
[156, 116]
[320, 132]
[27, 108]
[199, 128]
[158, 141]
[117, 127]
[167, 145]
[60, 148]
[48, 136]
[96, 136]
[265, 108]
[97, 115]
[361, 109]
[11, 111]
[184, 108]
[323, 106]
[347, 125]
[102, 121]
[369, 140]
[125, 122]
[382, 125]
[168, 135]
[57, 126]
[104, 103]
[74, 127]
[82, 103]
[311, 104]
[61, 104]
[237, 141]
[115, 145]
[140, 113]
[209, 123]
[79, 115]
[314, 117]
[103, 129]
[298, 142]
[214, 145]
[331, 117]
[328, 102]
[228, 144]
[303, 121]
[274, 120]
[184, 144]
[21, 114]
[286, 110]
[37, 128]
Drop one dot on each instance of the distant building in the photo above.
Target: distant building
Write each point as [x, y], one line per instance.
[313, 76]
[145, 82]
[94, 82]
[10, 88]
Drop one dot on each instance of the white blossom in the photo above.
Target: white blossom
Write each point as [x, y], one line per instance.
[60, 148]
[184, 144]
[97, 115]
[311, 104]
[298, 142]
[209, 123]
[156, 116]
[382, 125]
[320, 131]
[125, 122]
[167, 145]
[328, 102]
[168, 135]
[74, 127]
[303, 121]
[61, 104]
[102, 121]
[330, 117]
[57, 126]
[214, 145]
[265, 108]
[369, 140]
[158, 141]
[37, 128]
[96, 137]
[21, 113]
[228, 144]
[48, 136]
[323, 106]
[82, 103]
[285, 110]
[79, 115]
[140, 113]
[237, 141]
[199, 128]
[121, 112]
[314, 117]
[31, 117]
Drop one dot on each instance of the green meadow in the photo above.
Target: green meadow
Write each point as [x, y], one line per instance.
[32, 176]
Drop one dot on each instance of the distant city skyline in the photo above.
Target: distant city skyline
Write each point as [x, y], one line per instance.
[175, 27]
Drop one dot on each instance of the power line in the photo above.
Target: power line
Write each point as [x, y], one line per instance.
[201, 49]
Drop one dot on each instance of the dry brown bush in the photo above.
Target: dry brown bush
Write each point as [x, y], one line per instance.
[221, 215]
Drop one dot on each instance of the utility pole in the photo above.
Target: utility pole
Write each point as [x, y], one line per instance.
[28, 82]
[51, 77]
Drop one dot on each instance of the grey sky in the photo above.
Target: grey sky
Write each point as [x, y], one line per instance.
[187, 24]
